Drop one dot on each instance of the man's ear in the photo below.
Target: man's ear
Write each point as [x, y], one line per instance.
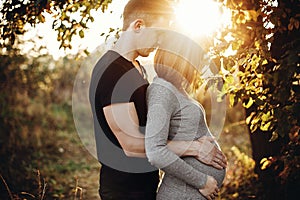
[137, 25]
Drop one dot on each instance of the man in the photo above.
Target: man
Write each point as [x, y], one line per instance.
[117, 97]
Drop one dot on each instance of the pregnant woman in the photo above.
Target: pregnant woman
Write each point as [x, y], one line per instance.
[174, 115]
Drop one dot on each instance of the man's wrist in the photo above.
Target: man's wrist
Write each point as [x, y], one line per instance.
[192, 148]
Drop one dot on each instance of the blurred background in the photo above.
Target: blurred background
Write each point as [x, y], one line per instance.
[48, 49]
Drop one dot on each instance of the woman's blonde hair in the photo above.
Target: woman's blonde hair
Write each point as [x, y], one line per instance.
[178, 61]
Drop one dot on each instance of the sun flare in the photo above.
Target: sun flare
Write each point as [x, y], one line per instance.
[200, 17]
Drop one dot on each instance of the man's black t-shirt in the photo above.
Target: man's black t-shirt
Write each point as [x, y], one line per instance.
[116, 80]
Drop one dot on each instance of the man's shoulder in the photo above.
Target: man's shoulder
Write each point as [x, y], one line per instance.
[112, 61]
[107, 59]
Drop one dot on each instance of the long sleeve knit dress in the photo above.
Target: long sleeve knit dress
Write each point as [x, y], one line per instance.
[174, 116]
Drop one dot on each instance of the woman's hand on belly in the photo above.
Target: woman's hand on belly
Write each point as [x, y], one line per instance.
[210, 189]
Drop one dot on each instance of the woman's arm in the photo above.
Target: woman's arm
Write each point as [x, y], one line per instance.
[160, 109]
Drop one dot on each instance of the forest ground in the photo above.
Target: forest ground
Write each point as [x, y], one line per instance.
[77, 163]
[69, 171]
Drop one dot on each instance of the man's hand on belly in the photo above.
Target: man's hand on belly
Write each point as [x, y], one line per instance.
[210, 154]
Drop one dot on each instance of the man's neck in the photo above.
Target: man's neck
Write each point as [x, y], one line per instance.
[124, 46]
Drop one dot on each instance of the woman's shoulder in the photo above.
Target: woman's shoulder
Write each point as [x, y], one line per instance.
[161, 90]
[160, 84]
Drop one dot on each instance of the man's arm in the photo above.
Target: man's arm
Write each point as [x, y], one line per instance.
[123, 120]
[124, 123]
[204, 149]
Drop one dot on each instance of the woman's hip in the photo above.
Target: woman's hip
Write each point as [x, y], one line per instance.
[175, 189]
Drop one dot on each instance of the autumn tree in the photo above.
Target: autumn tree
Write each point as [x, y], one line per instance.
[22, 77]
[15, 14]
[265, 38]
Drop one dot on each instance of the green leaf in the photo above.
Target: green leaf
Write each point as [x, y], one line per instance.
[81, 33]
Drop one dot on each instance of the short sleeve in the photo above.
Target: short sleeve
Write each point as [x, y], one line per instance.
[119, 84]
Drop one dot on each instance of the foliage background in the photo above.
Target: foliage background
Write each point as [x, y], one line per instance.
[42, 156]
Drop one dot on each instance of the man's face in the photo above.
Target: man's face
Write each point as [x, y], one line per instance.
[150, 37]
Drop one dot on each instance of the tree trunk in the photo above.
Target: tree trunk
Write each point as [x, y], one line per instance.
[263, 148]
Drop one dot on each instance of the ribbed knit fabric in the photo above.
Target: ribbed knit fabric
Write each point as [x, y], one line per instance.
[174, 116]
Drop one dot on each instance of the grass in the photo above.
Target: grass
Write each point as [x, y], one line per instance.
[63, 169]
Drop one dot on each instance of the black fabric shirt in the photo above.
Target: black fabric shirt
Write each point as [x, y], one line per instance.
[116, 80]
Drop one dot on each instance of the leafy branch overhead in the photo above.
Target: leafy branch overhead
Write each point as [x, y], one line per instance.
[264, 35]
[266, 38]
[15, 14]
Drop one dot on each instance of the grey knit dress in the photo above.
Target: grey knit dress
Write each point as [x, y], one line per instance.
[174, 116]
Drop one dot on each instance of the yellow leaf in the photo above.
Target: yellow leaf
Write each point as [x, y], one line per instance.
[265, 62]
[41, 18]
[253, 127]
[233, 100]
[241, 19]
[235, 195]
[265, 127]
[265, 164]
[263, 160]
[266, 116]
[249, 104]
[248, 119]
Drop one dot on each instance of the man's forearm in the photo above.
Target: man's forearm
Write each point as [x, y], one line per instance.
[204, 151]
[131, 139]
[136, 147]
[183, 148]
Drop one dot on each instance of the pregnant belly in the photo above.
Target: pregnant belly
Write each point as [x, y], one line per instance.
[218, 174]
